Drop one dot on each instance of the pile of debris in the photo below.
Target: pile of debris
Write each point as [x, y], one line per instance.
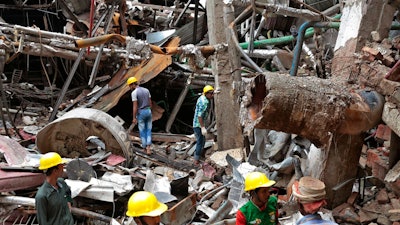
[165, 46]
[210, 194]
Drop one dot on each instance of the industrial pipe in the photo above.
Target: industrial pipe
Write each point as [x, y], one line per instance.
[83, 43]
[87, 42]
[231, 27]
[226, 222]
[299, 46]
[222, 211]
[285, 39]
[304, 33]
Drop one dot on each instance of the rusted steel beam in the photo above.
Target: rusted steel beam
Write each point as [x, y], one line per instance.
[163, 160]
[66, 84]
[182, 13]
[164, 8]
[143, 73]
[178, 104]
[34, 31]
[13, 181]
[100, 53]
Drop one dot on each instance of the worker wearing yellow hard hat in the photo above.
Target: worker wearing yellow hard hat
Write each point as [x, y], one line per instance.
[262, 208]
[207, 89]
[145, 208]
[131, 80]
[141, 113]
[53, 199]
[199, 120]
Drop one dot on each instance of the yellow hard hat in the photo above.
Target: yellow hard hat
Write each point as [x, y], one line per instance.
[131, 80]
[49, 160]
[143, 203]
[256, 180]
[208, 88]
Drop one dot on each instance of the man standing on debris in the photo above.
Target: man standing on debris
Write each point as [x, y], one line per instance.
[262, 208]
[141, 100]
[200, 115]
[53, 199]
[145, 208]
[310, 195]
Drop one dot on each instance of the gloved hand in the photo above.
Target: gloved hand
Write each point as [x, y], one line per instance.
[203, 131]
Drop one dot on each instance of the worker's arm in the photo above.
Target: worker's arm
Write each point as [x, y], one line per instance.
[41, 210]
[276, 217]
[134, 120]
[201, 121]
[150, 103]
[203, 128]
[240, 218]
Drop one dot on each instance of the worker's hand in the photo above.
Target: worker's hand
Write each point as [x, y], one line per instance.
[70, 206]
[203, 131]
[134, 121]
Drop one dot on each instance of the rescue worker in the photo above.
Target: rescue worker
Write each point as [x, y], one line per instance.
[200, 115]
[310, 195]
[262, 208]
[145, 208]
[141, 100]
[53, 199]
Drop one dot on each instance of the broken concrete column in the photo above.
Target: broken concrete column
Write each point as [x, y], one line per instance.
[310, 107]
[339, 166]
[227, 78]
[324, 112]
[359, 20]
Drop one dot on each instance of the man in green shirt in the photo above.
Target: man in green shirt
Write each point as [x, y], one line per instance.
[53, 199]
[261, 209]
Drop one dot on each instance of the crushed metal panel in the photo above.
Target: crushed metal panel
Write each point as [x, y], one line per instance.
[12, 181]
[155, 37]
[144, 72]
[102, 193]
[180, 213]
[67, 135]
[91, 190]
[13, 152]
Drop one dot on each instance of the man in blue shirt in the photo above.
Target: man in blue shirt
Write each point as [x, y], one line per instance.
[141, 100]
[200, 115]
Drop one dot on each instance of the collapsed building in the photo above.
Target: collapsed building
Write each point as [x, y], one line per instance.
[303, 88]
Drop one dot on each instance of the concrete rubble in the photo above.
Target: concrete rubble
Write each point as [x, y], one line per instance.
[70, 96]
